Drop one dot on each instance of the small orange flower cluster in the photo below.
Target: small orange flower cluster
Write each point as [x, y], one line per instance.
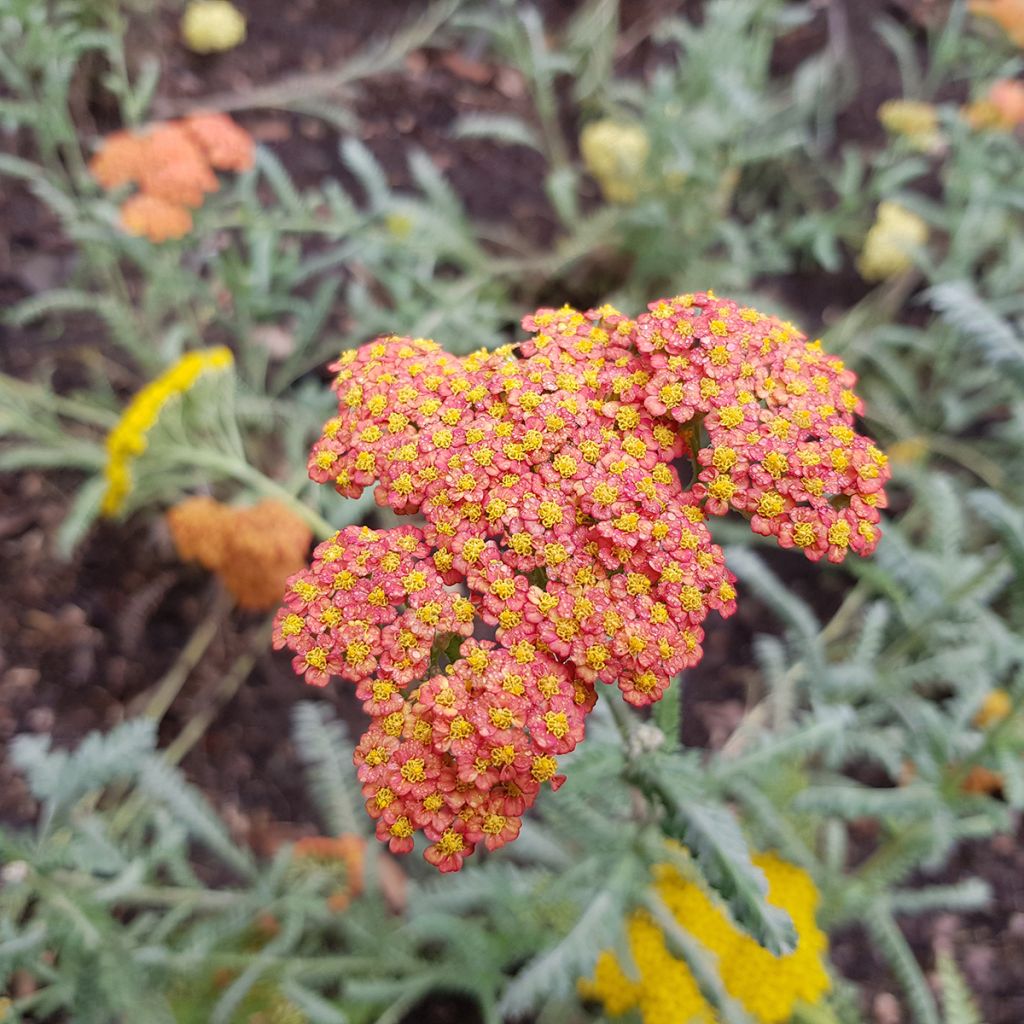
[173, 164]
[253, 550]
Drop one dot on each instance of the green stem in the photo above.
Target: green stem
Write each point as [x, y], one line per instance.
[225, 689]
[245, 473]
[621, 718]
[213, 900]
[169, 687]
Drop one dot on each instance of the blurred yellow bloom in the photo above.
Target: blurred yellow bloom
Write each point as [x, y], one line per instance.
[996, 706]
[914, 120]
[615, 153]
[767, 986]
[212, 26]
[889, 245]
[399, 225]
[1008, 14]
[127, 440]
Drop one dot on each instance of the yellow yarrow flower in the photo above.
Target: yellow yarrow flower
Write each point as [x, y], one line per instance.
[212, 26]
[996, 706]
[914, 120]
[615, 153]
[768, 987]
[127, 440]
[889, 245]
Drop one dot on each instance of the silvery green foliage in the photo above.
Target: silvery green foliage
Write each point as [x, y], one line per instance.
[862, 700]
[95, 902]
[130, 894]
[957, 1001]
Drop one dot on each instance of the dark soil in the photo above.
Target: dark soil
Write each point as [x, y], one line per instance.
[83, 642]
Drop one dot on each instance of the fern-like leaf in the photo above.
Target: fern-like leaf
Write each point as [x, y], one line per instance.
[189, 806]
[957, 1002]
[960, 306]
[324, 749]
[894, 947]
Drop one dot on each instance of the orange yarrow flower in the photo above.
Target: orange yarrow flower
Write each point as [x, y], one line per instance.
[227, 145]
[545, 476]
[253, 550]
[176, 169]
[119, 161]
[1007, 14]
[173, 164]
[155, 218]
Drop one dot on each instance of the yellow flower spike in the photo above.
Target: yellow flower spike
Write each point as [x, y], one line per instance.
[212, 26]
[768, 987]
[889, 245]
[615, 153]
[127, 439]
[996, 707]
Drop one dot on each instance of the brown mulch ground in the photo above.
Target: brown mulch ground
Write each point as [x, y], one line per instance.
[82, 642]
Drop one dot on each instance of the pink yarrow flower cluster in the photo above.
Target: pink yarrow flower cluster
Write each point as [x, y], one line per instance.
[555, 543]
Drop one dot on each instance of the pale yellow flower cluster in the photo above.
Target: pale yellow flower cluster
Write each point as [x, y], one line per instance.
[914, 120]
[128, 439]
[212, 26]
[615, 153]
[890, 244]
[996, 707]
[768, 987]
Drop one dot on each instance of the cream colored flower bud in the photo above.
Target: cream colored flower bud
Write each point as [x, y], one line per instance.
[615, 153]
[914, 120]
[890, 244]
[212, 26]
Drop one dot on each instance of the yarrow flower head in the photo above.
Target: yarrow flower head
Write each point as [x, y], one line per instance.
[129, 437]
[252, 550]
[890, 243]
[173, 164]
[615, 153]
[557, 545]
[341, 857]
[212, 26]
[768, 987]
[914, 120]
